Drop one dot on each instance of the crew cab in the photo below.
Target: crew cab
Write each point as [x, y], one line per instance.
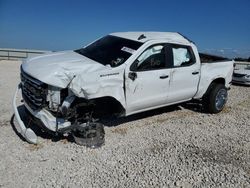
[119, 75]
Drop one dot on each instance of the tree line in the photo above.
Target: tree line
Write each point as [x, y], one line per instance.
[242, 59]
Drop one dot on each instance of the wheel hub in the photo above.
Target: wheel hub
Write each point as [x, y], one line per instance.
[90, 135]
[221, 99]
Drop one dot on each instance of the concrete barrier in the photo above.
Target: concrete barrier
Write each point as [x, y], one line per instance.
[17, 54]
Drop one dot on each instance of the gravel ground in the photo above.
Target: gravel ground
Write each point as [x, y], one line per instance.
[170, 147]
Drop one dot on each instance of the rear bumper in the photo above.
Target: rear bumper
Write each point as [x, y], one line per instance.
[48, 120]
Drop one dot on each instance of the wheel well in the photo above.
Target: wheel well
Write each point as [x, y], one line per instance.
[216, 81]
[219, 81]
[105, 106]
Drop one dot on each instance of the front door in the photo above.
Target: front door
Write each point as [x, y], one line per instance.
[147, 80]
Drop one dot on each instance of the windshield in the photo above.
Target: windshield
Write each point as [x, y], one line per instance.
[110, 50]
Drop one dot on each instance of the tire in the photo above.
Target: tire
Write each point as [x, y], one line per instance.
[215, 98]
[91, 136]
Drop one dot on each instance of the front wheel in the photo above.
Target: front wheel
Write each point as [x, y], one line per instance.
[216, 98]
[90, 134]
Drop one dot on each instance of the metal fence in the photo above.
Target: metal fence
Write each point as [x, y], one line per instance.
[16, 54]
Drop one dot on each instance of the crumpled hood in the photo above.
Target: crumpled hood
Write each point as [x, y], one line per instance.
[59, 68]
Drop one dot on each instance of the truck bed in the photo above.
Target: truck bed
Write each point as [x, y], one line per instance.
[207, 58]
[219, 68]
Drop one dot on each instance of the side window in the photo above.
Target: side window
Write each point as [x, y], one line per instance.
[151, 59]
[182, 56]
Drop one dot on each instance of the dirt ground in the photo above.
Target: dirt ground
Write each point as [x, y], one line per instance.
[176, 146]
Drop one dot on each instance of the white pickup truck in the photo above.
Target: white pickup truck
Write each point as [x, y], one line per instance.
[120, 74]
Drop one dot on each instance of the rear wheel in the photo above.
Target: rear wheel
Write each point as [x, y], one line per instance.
[216, 98]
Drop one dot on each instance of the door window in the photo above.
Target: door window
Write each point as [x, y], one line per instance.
[182, 56]
[151, 59]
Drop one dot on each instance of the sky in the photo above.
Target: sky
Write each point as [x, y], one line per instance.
[220, 27]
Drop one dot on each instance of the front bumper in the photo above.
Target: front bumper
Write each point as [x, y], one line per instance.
[241, 81]
[48, 120]
[27, 133]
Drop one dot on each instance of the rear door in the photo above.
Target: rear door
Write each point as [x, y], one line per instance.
[185, 74]
[147, 80]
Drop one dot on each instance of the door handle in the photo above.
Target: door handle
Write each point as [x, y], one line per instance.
[163, 76]
[196, 72]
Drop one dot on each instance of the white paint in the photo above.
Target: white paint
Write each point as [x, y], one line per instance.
[169, 36]
[89, 79]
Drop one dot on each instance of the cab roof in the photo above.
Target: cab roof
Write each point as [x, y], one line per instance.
[147, 36]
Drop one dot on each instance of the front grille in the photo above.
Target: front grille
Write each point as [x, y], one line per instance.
[34, 92]
[238, 75]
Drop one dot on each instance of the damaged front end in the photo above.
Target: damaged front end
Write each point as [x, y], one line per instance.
[58, 109]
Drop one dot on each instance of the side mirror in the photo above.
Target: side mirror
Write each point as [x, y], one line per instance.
[132, 75]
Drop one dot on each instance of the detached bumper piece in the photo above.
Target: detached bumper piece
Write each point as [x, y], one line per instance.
[90, 135]
[27, 133]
